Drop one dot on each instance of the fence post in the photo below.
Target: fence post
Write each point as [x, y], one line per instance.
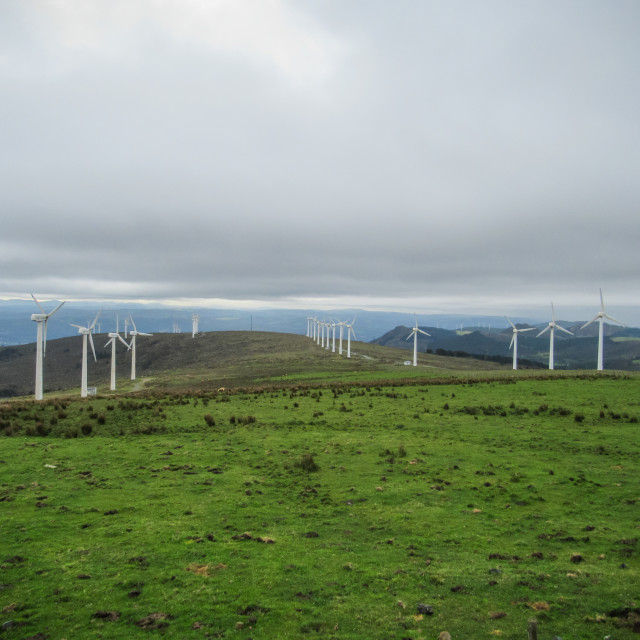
[533, 629]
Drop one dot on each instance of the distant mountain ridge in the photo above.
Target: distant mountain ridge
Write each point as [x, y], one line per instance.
[621, 344]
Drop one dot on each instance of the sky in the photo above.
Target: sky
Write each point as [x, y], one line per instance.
[437, 156]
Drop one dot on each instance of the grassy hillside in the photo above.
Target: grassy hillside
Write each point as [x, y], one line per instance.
[334, 510]
[209, 361]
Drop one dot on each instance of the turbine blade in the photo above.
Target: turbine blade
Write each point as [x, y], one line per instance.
[424, 332]
[77, 326]
[133, 323]
[601, 301]
[527, 329]
[511, 323]
[108, 343]
[586, 324]
[553, 313]
[44, 341]
[513, 337]
[124, 342]
[52, 312]
[93, 324]
[543, 331]
[614, 320]
[92, 347]
[563, 329]
[41, 309]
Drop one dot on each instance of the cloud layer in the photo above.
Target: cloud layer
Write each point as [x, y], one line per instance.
[440, 153]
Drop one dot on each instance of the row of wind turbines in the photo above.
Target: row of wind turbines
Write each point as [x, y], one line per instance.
[316, 330]
[42, 320]
[553, 325]
[87, 339]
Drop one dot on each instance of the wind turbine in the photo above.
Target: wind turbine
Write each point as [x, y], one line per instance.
[85, 332]
[333, 337]
[194, 319]
[414, 332]
[600, 316]
[350, 331]
[133, 335]
[514, 341]
[126, 327]
[113, 337]
[551, 327]
[41, 342]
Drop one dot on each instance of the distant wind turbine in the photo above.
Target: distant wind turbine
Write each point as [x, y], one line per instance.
[333, 338]
[41, 343]
[414, 332]
[551, 327]
[113, 338]
[85, 332]
[514, 341]
[350, 332]
[600, 316]
[134, 334]
[194, 318]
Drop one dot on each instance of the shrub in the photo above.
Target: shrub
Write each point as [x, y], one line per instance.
[579, 417]
[210, 420]
[307, 463]
[86, 428]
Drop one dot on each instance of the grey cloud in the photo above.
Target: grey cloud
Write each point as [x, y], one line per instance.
[458, 149]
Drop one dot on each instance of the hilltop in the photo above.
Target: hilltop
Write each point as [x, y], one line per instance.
[209, 361]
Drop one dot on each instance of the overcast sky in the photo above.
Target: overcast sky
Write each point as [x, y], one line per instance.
[427, 155]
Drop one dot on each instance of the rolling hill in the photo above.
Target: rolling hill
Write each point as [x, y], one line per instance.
[211, 360]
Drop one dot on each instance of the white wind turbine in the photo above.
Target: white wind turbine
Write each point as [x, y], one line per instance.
[333, 337]
[414, 332]
[41, 342]
[600, 316]
[350, 332]
[329, 325]
[551, 327]
[134, 334]
[85, 332]
[113, 338]
[194, 319]
[514, 341]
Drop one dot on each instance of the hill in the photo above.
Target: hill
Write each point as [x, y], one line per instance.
[211, 360]
[621, 345]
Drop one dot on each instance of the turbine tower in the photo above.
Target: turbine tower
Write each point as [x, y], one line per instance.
[134, 334]
[551, 327]
[350, 332]
[113, 338]
[41, 343]
[514, 341]
[600, 316]
[333, 337]
[85, 332]
[194, 318]
[341, 325]
[414, 332]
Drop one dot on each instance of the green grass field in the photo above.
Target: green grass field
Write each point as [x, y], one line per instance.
[326, 509]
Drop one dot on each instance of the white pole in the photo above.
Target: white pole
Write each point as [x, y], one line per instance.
[113, 364]
[340, 347]
[133, 357]
[415, 348]
[600, 345]
[515, 350]
[551, 349]
[83, 384]
[39, 361]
